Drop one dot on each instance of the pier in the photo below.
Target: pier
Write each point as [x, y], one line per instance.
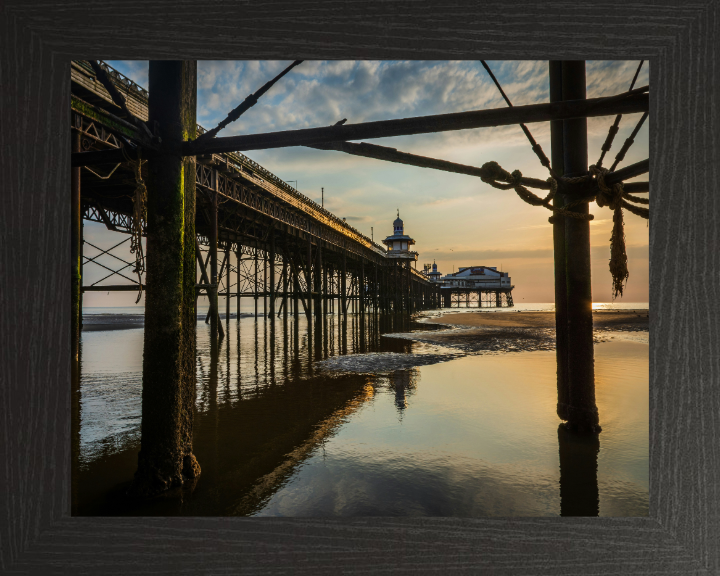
[219, 225]
[257, 237]
[476, 286]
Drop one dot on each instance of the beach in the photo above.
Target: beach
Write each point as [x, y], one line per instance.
[630, 320]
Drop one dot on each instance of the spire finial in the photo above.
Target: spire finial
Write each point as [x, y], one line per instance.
[398, 212]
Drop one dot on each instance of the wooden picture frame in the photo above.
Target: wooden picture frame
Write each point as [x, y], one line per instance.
[680, 39]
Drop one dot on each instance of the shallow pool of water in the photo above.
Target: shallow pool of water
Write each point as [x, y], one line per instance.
[342, 421]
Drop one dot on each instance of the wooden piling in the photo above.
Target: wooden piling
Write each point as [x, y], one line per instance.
[582, 411]
[191, 468]
[166, 458]
[557, 163]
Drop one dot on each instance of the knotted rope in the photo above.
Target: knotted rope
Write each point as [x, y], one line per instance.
[613, 197]
[496, 175]
[139, 217]
[616, 199]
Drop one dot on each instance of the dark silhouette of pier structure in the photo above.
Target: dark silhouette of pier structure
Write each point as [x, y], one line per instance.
[151, 171]
[257, 236]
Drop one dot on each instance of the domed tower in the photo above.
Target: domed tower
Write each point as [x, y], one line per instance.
[399, 243]
[398, 225]
[434, 276]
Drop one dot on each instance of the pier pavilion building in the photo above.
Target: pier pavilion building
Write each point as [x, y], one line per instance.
[481, 286]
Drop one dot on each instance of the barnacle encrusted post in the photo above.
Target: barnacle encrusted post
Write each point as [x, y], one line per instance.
[166, 458]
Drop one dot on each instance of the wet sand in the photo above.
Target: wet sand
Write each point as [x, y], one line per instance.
[103, 322]
[602, 319]
[518, 331]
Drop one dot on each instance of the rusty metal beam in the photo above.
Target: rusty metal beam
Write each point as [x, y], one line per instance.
[626, 103]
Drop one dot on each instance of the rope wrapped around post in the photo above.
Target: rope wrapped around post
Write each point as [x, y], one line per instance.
[613, 197]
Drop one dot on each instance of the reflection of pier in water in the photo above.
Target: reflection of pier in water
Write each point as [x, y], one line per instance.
[403, 382]
[262, 409]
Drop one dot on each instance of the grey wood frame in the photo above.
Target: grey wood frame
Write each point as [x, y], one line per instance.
[680, 39]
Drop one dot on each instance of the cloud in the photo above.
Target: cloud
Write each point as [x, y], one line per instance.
[442, 211]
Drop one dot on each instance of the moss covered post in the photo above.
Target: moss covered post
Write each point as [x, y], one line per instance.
[166, 459]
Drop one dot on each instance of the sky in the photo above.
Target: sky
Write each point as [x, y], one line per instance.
[456, 220]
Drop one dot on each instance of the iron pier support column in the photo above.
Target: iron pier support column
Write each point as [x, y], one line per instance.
[227, 282]
[168, 393]
[325, 289]
[76, 248]
[375, 289]
[238, 255]
[296, 297]
[317, 277]
[343, 284]
[256, 280]
[309, 279]
[561, 318]
[397, 296]
[272, 273]
[410, 303]
[582, 413]
[213, 292]
[361, 287]
[265, 283]
[285, 285]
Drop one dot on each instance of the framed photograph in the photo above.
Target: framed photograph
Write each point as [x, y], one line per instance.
[369, 305]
